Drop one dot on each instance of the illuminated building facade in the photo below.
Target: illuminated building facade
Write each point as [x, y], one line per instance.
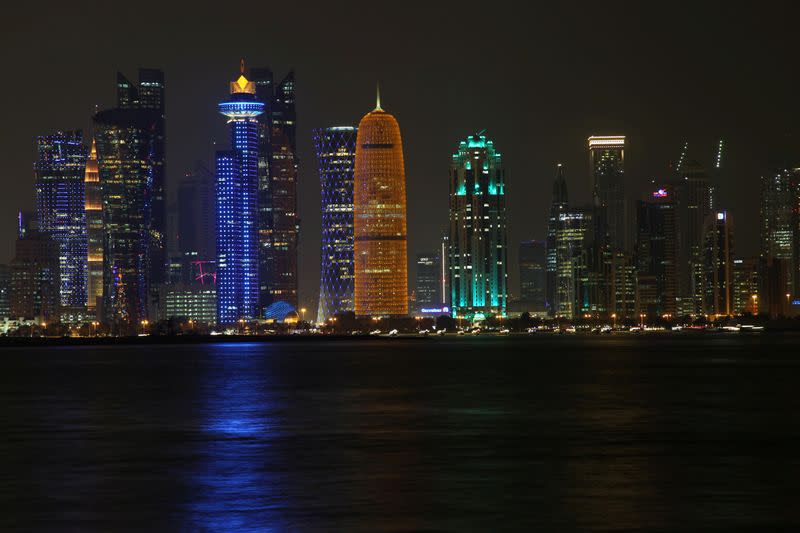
[336, 153]
[189, 302]
[94, 230]
[34, 271]
[147, 100]
[532, 275]
[427, 288]
[607, 164]
[657, 253]
[478, 233]
[379, 204]
[558, 206]
[718, 265]
[60, 199]
[745, 286]
[571, 233]
[237, 207]
[778, 219]
[5, 291]
[278, 223]
[623, 280]
[125, 145]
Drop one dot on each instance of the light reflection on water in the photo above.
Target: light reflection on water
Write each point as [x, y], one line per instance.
[448, 435]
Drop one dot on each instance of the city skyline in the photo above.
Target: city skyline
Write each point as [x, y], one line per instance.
[656, 124]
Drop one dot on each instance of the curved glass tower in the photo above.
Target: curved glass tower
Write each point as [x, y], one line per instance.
[336, 149]
[381, 281]
[237, 207]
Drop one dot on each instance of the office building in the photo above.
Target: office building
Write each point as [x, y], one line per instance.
[237, 206]
[607, 167]
[60, 206]
[657, 253]
[196, 222]
[189, 302]
[35, 276]
[94, 231]
[532, 275]
[379, 204]
[745, 286]
[571, 232]
[558, 206]
[478, 231]
[428, 283]
[336, 151]
[5, 291]
[718, 259]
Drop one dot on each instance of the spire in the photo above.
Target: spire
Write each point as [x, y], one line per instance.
[378, 97]
[93, 151]
[241, 67]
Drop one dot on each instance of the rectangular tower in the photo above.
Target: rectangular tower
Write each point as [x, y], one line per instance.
[607, 167]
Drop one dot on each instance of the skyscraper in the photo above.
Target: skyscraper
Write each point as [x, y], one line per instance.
[478, 232]
[745, 286]
[60, 208]
[5, 291]
[607, 163]
[336, 152]
[237, 206]
[379, 203]
[557, 206]
[278, 223]
[718, 265]
[532, 275]
[94, 230]
[148, 97]
[777, 219]
[657, 252]
[428, 285]
[196, 224]
[571, 234]
[35, 277]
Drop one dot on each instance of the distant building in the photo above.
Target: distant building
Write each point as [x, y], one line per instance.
[657, 253]
[379, 203]
[190, 302]
[607, 165]
[336, 151]
[780, 231]
[60, 207]
[745, 286]
[196, 231]
[623, 280]
[5, 291]
[532, 275]
[718, 265]
[573, 225]
[94, 231]
[35, 275]
[478, 231]
[558, 205]
[428, 282]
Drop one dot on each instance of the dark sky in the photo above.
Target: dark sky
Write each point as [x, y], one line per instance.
[539, 77]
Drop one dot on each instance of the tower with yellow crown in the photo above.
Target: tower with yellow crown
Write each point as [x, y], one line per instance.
[94, 229]
[379, 204]
[237, 206]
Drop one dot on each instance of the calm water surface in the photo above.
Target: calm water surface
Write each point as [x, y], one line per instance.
[459, 434]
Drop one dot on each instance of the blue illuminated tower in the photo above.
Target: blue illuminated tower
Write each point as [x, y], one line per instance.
[60, 168]
[237, 206]
[336, 152]
[478, 234]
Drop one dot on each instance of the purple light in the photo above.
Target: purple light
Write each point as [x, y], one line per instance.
[660, 193]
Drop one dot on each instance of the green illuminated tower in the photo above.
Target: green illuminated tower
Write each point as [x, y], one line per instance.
[478, 234]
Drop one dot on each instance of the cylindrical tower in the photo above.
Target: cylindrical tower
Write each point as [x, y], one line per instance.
[381, 280]
[336, 149]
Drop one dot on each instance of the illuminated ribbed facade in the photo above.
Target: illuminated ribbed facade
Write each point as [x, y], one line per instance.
[60, 199]
[478, 233]
[237, 207]
[94, 230]
[336, 149]
[381, 268]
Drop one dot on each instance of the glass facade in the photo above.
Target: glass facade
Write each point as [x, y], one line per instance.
[573, 225]
[336, 150]
[237, 207]
[532, 278]
[607, 163]
[428, 281]
[380, 249]
[478, 233]
[557, 206]
[60, 199]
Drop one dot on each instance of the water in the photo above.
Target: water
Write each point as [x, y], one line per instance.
[460, 434]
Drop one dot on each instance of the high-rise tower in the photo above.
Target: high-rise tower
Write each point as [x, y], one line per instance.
[478, 234]
[381, 265]
[94, 229]
[558, 206]
[607, 161]
[336, 151]
[237, 206]
[278, 224]
[60, 199]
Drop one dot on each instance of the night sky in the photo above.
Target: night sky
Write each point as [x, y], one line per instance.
[539, 78]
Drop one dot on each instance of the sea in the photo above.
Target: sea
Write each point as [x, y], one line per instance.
[515, 433]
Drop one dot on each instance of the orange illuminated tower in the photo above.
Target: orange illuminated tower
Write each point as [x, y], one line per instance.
[379, 203]
[94, 227]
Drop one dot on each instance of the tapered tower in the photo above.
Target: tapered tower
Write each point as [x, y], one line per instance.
[381, 270]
